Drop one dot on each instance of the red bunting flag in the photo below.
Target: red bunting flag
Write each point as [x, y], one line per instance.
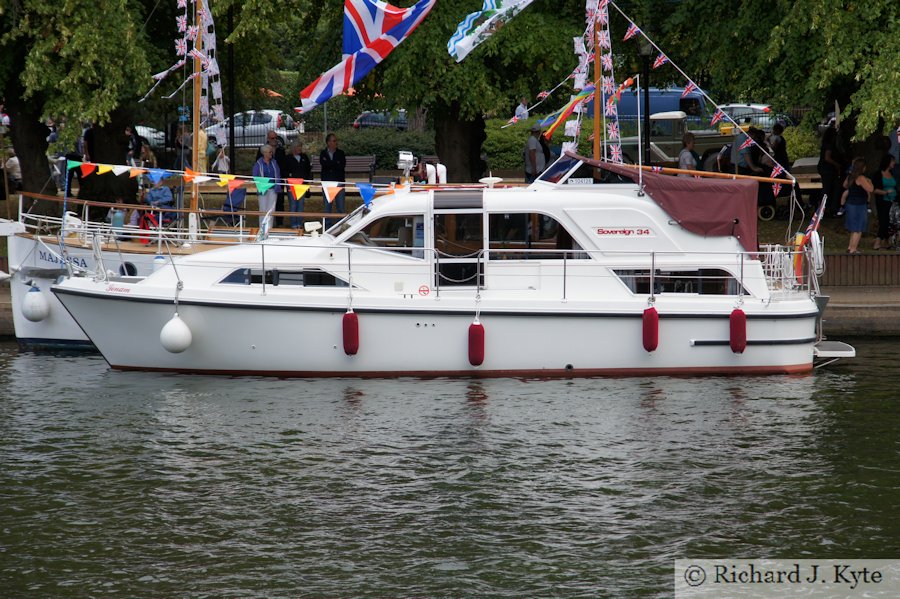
[87, 168]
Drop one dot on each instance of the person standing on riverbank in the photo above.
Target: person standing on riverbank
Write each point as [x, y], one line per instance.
[856, 207]
[885, 195]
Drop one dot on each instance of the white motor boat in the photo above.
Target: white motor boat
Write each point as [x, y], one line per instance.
[568, 277]
[44, 248]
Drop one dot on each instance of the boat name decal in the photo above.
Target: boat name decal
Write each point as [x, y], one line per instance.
[624, 231]
[114, 289]
[45, 256]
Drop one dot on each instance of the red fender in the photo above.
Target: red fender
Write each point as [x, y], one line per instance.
[351, 333]
[651, 329]
[476, 344]
[738, 331]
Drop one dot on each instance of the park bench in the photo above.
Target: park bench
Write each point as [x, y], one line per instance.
[359, 165]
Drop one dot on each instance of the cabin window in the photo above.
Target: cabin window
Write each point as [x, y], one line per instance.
[519, 236]
[308, 277]
[701, 281]
[394, 232]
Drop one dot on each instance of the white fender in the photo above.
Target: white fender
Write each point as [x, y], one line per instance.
[175, 336]
[35, 306]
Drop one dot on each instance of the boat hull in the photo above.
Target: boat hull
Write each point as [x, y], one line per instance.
[305, 341]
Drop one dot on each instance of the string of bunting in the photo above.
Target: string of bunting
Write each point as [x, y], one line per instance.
[297, 187]
[719, 115]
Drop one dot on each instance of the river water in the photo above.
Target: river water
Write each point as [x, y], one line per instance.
[121, 484]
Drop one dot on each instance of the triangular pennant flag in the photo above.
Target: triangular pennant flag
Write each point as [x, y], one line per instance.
[102, 169]
[234, 183]
[136, 172]
[330, 191]
[188, 175]
[263, 184]
[225, 180]
[120, 169]
[157, 174]
[70, 164]
[367, 191]
[198, 179]
[298, 189]
[87, 168]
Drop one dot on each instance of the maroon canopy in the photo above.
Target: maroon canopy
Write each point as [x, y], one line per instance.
[714, 207]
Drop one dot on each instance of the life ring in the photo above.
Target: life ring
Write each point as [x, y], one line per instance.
[817, 253]
[798, 257]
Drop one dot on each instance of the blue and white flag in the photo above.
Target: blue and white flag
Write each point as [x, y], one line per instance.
[478, 26]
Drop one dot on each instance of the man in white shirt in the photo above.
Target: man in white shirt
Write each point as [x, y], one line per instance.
[522, 109]
[534, 155]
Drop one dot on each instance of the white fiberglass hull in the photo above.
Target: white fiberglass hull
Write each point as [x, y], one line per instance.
[432, 339]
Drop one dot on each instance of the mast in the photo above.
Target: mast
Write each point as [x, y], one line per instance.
[195, 112]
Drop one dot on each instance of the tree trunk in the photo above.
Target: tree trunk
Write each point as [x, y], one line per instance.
[29, 138]
[458, 143]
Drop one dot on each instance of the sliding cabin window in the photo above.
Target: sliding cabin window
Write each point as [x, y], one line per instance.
[513, 232]
[701, 281]
[308, 277]
[396, 232]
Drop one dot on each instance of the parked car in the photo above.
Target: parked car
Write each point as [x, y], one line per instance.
[383, 119]
[250, 128]
[761, 116]
[155, 137]
[666, 132]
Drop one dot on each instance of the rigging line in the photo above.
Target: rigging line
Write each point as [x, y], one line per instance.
[144, 26]
[699, 89]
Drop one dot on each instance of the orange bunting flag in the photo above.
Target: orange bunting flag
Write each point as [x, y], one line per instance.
[188, 175]
[225, 180]
[136, 172]
[234, 184]
[87, 168]
[330, 191]
[102, 169]
[298, 189]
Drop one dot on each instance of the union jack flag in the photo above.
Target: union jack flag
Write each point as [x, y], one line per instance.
[690, 87]
[603, 17]
[606, 61]
[513, 121]
[180, 47]
[372, 30]
[195, 53]
[181, 22]
[632, 31]
[656, 169]
[777, 170]
[718, 116]
[608, 85]
[776, 189]
[182, 3]
[815, 220]
[612, 130]
[603, 39]
[602, 5]
[660, 61]
[747, 143]
[611, 109]
[543, 95]
[615, 153]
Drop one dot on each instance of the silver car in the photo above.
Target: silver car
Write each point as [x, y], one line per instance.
[250, 128]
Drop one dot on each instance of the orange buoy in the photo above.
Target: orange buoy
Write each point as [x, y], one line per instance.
[476, 344]
[351, 333]
[738, 331]
[651, 329]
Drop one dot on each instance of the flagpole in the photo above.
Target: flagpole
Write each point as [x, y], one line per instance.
[195, 132]
[597, 75]
[706, 174]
